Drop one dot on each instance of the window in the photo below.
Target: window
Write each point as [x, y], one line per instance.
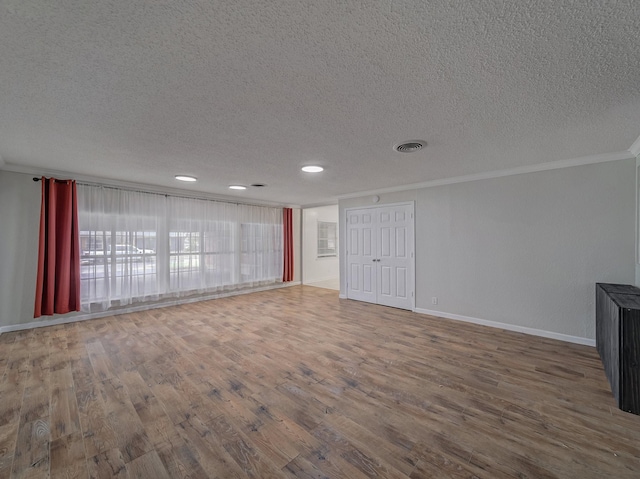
[139, 246]
[327, 239]
[219, 253]
[184, 260]
[111, 265]
[203, 258]
[261, 250]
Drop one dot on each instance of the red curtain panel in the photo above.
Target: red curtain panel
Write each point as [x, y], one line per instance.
[288, 245]
[58, 281]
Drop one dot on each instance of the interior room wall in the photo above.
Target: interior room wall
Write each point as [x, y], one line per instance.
[637, 249]
[19, 227]
[297, 245]
[313, 268]
[523, 250]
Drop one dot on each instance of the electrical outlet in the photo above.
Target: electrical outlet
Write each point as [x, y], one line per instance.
[434, 300]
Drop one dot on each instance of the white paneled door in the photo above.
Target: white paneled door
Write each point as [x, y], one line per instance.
[380, 255]
[362, 254]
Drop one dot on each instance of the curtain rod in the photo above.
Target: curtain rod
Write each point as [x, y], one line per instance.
[57, 180]
[36, 179]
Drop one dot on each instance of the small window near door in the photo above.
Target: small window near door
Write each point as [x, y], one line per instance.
[327, 239]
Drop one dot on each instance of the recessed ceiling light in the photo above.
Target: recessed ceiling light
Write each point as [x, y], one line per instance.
[237, 187]
[186, 178]
[312, 169]
[410, 146]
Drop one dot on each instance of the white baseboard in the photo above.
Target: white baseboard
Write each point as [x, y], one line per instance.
[140, 307]
[147, 306]
[510, 327]
[56, 321]
[318, 280]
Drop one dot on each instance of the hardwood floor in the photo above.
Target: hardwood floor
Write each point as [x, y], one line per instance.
[297, 383]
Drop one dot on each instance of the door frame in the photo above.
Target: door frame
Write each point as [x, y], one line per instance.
[345, 269]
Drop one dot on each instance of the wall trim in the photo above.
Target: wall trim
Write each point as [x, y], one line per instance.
[141, 307]
[510, 327]
[317, 280]
[552, 165]
[342, 296]
[329, 202]
[146, 188]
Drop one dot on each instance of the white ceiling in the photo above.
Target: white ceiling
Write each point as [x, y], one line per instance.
[249, 91]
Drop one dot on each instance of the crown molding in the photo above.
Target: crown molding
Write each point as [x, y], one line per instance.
[552, 165]
[331, 202]
[635, 148]
[146, 188]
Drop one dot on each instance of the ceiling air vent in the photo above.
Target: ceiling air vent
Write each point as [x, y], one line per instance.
[410, 146]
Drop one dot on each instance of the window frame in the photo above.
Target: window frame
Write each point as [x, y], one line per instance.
[327, 231]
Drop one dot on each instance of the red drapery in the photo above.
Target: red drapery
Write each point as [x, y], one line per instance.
[288, 245]
[58, 281]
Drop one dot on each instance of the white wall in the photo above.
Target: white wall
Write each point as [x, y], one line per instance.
[524, 250]
[314, 268]
[297, 245]
[637, 250]
[19, 227]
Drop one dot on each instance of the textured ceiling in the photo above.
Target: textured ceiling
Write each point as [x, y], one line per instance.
[249, 91]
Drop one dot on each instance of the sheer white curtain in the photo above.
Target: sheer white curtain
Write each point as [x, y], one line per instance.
[119, 232]
[218, 246]
[142, 246]
[261, 239]
[202, 244]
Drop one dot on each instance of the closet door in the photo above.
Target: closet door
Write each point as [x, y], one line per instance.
[361, 255]
[380, 255]
[395, 256]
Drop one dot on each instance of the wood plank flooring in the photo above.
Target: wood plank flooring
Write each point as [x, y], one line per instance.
[297, 383]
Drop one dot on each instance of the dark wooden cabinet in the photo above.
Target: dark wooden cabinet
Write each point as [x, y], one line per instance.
[618, 341]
